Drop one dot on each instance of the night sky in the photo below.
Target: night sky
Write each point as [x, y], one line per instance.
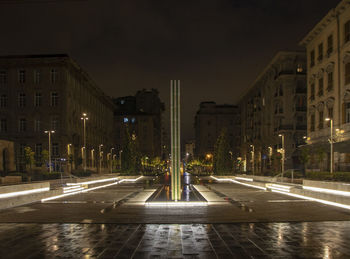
[215, 47]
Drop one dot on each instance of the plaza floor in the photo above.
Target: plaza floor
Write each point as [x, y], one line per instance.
[112, 222]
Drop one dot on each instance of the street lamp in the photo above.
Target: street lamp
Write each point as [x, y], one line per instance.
[111, 158]
[283, 154]
[84, 118]
[331, 141]
[49, 132]
[100, 155]
[270, 156]
[92, 157]
[253, 165]
[120, 159]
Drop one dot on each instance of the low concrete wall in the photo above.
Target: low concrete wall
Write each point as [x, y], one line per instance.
[11, 179]
[27, 199]
[23, 187]
[322, 196]
[328, 185]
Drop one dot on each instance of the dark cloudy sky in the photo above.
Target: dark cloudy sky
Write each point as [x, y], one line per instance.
[215, 47]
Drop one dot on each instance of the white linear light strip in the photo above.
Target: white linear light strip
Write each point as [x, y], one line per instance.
[176, 204]
[344, 193]
[314, 199]
[234, 181]
[278, 189]
[244, 179]
[12, 194]
[87, 190]
[69, 191]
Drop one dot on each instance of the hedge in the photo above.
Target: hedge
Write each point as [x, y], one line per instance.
[326, 176]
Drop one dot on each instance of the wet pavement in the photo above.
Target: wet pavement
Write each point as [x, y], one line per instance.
[110, 223]
[248, 240]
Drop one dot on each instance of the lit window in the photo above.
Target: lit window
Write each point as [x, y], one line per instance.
[122, 101]
[133, 120]
[126, 120]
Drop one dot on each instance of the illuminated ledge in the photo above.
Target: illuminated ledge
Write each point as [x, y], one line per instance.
[234, 181]
[82, 190]
[324, 190]
[19, 193]
[177, 204]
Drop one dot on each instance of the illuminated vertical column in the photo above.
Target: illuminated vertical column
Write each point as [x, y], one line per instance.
[175, 139]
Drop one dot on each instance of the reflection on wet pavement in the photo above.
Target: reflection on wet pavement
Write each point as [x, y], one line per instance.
[247, 240]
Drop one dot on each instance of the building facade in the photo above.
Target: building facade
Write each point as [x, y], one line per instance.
[274, 107]
[142, 115]
[41, 93]
[328, 60]
[210, 119]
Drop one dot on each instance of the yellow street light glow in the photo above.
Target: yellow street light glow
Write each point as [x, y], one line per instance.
[327, 119]
[20, 193]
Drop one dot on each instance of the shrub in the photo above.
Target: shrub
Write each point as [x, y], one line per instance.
[42, 176]
[326, 176]
[82, 173]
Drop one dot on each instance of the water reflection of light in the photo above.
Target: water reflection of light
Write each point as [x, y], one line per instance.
[326, 252]
[187, 192]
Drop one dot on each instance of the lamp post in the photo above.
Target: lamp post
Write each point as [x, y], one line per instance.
[84, 118]
[270, 156]
[120, 159]
[283, 154]
[331, 142]
[100, 156]
[111, 158]
[92, 157]
[49, 132]
[253, 165]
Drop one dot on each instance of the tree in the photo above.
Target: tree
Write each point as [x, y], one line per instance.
[222, 162]
[131, 157]
[29, 157]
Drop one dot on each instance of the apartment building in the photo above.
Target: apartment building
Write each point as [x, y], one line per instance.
[273, 110]
[39, 93]
[328, 79]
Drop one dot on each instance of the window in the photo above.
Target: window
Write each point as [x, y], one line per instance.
[320, 86]
[3, 101]
[36, 77]
[320, 120]
[53, 76]
[330, 44]
[347, 32]
[126, 120]
[38, 151]
[347, 112]
[22, 100]
[22, 149]
[312, 58]
[347, 73]
[3, 125]
[312, 122]
[122, 101]
[330, 81]
[54, 99]
[55, 150]
[54, 123]
[37, 99]
[37, 125]
[21, 76]
[330, 115]
[3, 77]
[133, 120]
[312, 91]
[280, 92]
[22, 125]
[320, 52]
